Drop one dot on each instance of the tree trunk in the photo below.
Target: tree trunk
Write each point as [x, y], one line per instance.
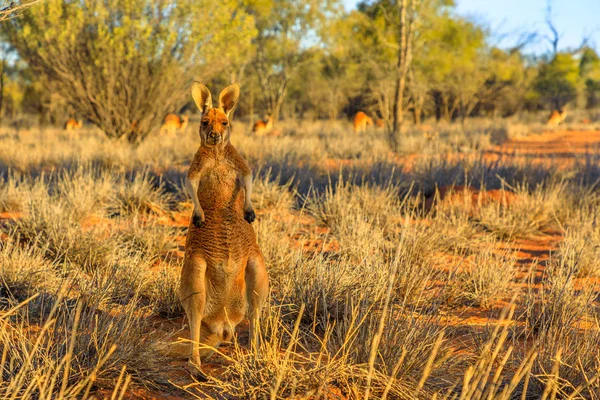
[453, 108]
[278, 100]
[237, 76]
[417, 115]
[251, 108]
[3, 66]
[418, 109]
[404, 58]
[437, 105]
[445, 107]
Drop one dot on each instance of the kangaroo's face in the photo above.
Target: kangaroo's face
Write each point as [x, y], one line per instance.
[214, 128]
[214, 124]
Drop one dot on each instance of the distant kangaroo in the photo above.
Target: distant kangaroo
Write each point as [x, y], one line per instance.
[558, 116]
[173, 123]
[361, 121]
[262, 128]
[73, 124]
[224, 278]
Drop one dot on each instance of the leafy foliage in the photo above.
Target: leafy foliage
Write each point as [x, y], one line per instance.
[123, 65]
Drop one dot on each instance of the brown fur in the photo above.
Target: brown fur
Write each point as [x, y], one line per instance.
[430, 135]
[262, 128]
[73, 124]
[224, 278]
[557, 117]
[173, 124]
[379, 124]
[361, 121]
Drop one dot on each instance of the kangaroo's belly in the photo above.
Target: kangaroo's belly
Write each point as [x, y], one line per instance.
[225, 293]
[224, 239]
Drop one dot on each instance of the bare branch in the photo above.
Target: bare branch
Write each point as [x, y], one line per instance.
[584, 42]
[524, 40]
[13, 9]
[554, 39]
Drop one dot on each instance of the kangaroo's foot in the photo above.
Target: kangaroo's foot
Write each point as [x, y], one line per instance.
[196, 371]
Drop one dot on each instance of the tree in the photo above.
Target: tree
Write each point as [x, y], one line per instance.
[458, 57]
[281, 45]
[344, 68]
[124, 64]
[589, 69]
[398, 33]
[507, 82]
[558, 81]
[394, 29]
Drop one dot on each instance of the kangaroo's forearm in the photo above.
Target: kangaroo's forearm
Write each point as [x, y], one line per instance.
[247, 183]
[192, 188]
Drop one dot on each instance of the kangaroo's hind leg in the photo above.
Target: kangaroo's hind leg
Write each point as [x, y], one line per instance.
[192, 292]
[257, 291]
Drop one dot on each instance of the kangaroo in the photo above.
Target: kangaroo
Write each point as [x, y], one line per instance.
[262, 128]
[361, 121]
[73, 124]
[379, 123]
[173, 123]
[557, 117]
[224, 278]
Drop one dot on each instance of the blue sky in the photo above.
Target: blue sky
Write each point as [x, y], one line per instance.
[572, 18]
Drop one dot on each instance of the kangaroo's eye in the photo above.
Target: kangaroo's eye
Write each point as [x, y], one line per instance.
[225, 123]
[205, 123]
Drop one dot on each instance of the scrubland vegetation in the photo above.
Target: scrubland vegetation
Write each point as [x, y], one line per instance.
[435, 255]
[392, 276]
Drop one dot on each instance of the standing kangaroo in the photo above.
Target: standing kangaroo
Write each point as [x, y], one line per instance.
[558, 116]
[361, 121]
[223, 278]
[173, 123]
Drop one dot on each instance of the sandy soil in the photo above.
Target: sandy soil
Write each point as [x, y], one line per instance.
[562, 147]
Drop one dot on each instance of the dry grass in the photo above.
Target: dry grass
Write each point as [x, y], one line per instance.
[531, 213]
[487, 277]
[562, 322]
[42, 365]
[162, 289]
[367, 270]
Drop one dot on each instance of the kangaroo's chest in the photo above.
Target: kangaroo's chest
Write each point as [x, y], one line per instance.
[218, 187]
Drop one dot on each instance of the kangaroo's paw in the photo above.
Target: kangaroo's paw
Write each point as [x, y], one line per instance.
[197, 220]
[249, 216]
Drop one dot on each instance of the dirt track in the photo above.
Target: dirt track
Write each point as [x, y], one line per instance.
[563, 147]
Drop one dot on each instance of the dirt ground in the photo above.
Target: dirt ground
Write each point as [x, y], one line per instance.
[560, 147]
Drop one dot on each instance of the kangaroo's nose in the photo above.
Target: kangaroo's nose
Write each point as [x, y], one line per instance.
[213, 135]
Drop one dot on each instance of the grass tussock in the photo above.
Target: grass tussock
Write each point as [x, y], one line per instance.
[162, 290]
[487, 277]
[562, 322]
[24, 272]
[73, 352]
[532, 212]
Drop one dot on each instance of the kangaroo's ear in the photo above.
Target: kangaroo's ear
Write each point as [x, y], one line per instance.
[202, 97]
[229, 98]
